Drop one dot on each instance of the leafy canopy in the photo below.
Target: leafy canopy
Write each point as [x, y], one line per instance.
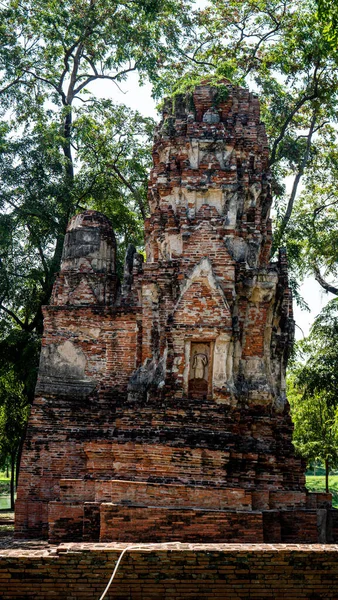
[280, 50]
[312, 389]
[62, 149]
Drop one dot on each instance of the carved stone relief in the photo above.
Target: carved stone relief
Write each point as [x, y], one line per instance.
[200, 369]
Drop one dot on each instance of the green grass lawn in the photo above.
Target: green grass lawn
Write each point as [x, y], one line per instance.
[4, 490]
[3, 476]
[316, 483]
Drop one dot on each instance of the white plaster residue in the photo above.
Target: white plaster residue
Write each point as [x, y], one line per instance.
[220, 375]
[164, 154]
[150, 293]
[92, 333]
[201, 198]
[63, 361]
[67, 352]
[216, 199]
[149, 252]
[211, 198]
[76, 222]
[255, 192]
[264, 288]
[232, 209]
[223, 154]
[163, 248]
[189, 197]
[175, 244]
[176, 363]
[187, 346]
[176, 198]
[193, 154]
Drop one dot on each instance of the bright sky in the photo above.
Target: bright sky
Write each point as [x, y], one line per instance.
[139, 98]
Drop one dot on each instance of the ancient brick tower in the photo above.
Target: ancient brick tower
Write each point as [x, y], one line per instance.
[160, 410]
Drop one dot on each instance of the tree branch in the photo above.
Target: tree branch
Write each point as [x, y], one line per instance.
[327, 286]
[109, 77]
[135, 193]
[297, 179]
[197, 62]
[71, 92]
[40, 251]
[14, 82]
[56, 87]
[13, 315]
[324, 206]
[256, 48]
[299, 104]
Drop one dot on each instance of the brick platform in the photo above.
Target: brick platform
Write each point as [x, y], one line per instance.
[172, 571]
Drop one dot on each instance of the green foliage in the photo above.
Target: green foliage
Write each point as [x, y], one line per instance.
[13, 414]
[37, 199]
[113, 147]
[57, 48]
[315, 424]
[328, 13]
[312, 390]
[280, 50]
[317, 484]
[319, 375]
[63, 150]
[313, 228]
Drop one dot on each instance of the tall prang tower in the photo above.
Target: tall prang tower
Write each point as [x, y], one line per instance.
[160, 410]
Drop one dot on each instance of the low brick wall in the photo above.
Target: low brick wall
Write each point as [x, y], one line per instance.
[175, 571]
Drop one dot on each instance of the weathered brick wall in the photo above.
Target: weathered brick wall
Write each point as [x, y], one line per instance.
[175, 377]
[79, 572]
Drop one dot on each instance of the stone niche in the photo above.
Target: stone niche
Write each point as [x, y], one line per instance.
[160, 411]
[200, 364]
[201, 334]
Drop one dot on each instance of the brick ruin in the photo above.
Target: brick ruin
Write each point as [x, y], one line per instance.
[160, 410]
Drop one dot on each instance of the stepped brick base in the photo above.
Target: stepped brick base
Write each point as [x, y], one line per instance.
[114, 510]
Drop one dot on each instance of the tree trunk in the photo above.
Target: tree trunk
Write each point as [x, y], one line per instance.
[7, 468]
[18, 456]
[327, 475]
[12, 482]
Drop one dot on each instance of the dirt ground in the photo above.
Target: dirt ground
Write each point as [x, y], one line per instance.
[7, 534]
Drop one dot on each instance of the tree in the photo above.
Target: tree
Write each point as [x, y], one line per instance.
[313, 388]
[13, 416]
[52, 52]
[280, 50]
[313, 230]
[62, 149]
[315, 427]
[112, 160]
